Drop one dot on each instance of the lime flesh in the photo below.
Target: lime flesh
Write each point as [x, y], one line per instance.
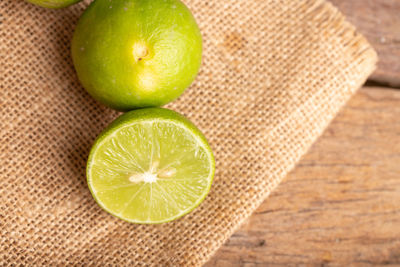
[130, 54]
[150, 166]
[53, 3]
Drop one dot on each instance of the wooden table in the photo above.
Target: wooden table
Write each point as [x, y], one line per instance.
[341, 205]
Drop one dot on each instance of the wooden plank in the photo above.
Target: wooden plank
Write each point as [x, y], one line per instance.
[341, 204]
[379, 21]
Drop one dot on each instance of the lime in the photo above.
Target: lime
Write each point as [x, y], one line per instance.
[150, 165]
[136, 53]
[53, 3]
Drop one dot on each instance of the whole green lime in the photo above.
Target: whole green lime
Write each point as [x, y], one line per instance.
[53, 3]
[136, 53]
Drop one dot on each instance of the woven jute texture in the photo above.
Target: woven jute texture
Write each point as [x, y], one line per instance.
[274, 73]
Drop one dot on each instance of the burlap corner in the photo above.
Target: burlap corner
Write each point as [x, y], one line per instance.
[274, 74]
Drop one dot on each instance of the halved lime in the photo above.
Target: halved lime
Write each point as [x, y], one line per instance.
[150, 166]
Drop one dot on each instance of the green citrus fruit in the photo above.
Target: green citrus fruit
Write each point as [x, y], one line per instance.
[53, 3]
[136, 53]
[150, 165]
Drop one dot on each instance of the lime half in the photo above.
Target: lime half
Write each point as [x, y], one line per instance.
[150, 166]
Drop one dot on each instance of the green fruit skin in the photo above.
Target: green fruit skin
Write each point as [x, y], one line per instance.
[53, 3]
[146, 114]
[103, 45]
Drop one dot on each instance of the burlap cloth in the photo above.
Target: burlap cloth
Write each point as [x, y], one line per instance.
[274, 74]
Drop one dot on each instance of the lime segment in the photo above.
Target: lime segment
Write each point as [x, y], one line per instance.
[150, 166]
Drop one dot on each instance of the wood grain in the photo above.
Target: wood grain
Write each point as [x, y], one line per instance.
[379, 21]
[341, 204]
